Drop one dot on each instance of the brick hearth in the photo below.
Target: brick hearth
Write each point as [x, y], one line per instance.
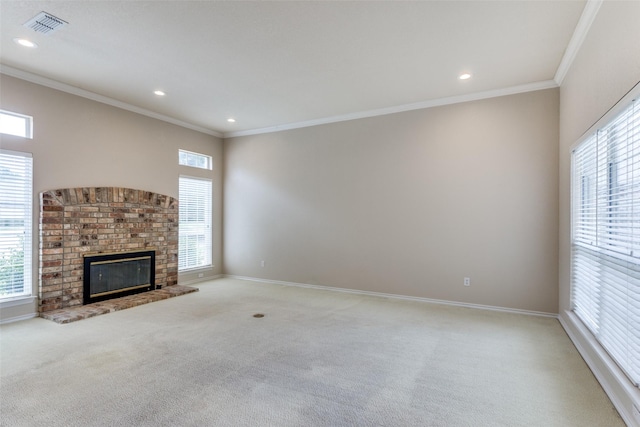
[71, 314]
[79, 221]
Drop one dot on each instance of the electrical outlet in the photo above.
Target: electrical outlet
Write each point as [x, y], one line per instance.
[262, 263]
[200, 274]
[467, 281]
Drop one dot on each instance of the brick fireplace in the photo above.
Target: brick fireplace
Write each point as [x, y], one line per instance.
[75, 222]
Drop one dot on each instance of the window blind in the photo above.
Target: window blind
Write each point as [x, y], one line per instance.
[15, 223]
[606, 237]
[195, 199]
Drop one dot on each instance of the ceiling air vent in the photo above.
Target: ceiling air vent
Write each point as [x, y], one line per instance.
[45, 23]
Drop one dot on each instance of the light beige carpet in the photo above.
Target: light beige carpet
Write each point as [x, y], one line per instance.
[317, 358]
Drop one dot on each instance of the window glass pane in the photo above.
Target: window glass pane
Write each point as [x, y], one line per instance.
[196, 160]
[194, 246]
[606, 237]
[15, 124]
[15, 223]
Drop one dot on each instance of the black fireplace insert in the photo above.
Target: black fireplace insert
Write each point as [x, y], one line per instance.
[115, 275]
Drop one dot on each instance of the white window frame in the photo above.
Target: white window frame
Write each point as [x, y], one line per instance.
[195, 223]
[605, 237]
[16, 223]
[25, 130]
[195, 160]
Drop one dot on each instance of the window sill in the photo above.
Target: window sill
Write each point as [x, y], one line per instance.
[623, 394]
[199, 269]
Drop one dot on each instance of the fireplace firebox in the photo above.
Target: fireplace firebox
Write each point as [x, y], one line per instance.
[118, 274]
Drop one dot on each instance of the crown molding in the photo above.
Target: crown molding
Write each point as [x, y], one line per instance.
[579, 34]
[63, 87]
[513, 90]
[530, 87]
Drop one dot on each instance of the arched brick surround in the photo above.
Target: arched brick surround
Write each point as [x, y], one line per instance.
[77, 221]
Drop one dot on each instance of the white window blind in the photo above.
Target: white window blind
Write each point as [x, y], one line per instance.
[195, 223]
[606, 237]
[15, 223]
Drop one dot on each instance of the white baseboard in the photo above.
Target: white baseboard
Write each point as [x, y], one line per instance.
[24, 304]
[199, 280]
[18, 318]
[394, 296]
[623, 394]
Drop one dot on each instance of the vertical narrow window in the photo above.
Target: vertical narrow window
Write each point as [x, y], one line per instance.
[606, 237]
[16, 195]
[195, 223]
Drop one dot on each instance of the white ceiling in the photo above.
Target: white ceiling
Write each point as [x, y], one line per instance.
[274, 64]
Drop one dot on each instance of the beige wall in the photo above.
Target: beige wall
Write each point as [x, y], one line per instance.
[408, 204]
[604, 70]
[82, 143]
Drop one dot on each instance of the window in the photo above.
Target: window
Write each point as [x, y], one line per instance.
[606, 237]
[15, 223]
[195, 160]
[195, 198]
[15, 124]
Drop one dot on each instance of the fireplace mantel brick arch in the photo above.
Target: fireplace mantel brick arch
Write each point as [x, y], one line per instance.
[91, 220]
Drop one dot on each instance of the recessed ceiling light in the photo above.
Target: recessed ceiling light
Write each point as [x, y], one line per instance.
[464, 76]
[159, 93]
[25, 42]
[231, 120]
